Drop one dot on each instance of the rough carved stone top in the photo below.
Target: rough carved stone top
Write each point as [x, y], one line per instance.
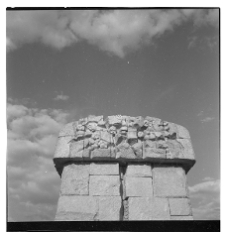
[124, 138]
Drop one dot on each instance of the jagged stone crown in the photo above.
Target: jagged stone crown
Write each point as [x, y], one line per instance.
[125, 137]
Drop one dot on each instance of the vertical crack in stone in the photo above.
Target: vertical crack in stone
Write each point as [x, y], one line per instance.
[122, 170]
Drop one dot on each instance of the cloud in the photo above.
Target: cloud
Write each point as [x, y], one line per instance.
[207, 119]
[205, 199]
[61, 97]
[210, 42]
[114, 31]
[203, 116]
[33, 183]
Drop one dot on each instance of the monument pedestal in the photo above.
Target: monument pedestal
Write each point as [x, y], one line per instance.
[107, 175]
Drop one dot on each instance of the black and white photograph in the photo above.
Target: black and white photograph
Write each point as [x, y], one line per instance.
[113, 114]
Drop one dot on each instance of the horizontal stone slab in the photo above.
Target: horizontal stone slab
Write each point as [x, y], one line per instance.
[75, 178]
[104, 169]
[179, 206]
[148, 208]
[104, 186]
[139, 170]
[77, 208]
[109, 208]
[186, 164]
[138, 186]
[169, 181]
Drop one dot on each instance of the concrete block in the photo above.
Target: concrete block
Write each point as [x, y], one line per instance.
[182, 132]
[181, 218]
[139, 170]
[75, 178]
[76, 208]
[139, 186]
[76, 149]
[100, 154]
[68, 130]
[179, 206]
[169, 182]
[188, 152]
[104, 186]
[109, 208]
[63, 147]
[104, 169]
[145, 208]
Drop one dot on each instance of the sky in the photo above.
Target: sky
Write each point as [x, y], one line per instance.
[65, 65]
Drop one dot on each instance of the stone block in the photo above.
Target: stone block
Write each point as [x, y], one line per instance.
[76, 208]
[181, 218]
[104, 169]
[101, 154]
[182, 132]
[75, 178]
[109, 208]
[188, 152]
[63, 147]
[138, 186]
[104, 186]
[68, 130]
[76, 149]
[169, 182]
[150, 150]
[179, 206]
[139, 170]
[145, 208]
[106, 136]
[125, 153]
[86, 154]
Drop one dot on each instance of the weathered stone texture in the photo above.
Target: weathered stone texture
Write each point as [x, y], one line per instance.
[104, 169]
[169, 182]
[109, 208]
[179, 206]
[152, 153]
[139, 170]
[145, 208]
[101, 153]
[188, 152]
[104, 185]
[63, 147]
[181, 217]
[182, 132]
[76, 149]
[68, 130]
[77, 208]
[139, 186]
[75, 179]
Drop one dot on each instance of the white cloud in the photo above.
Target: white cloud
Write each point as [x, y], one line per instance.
[114, 31]
[33, 183]
[207, 119]
[205, 199]
[61, 97]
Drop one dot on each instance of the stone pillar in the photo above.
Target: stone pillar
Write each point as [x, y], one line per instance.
[123, 168]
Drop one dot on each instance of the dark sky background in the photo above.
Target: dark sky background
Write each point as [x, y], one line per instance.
[171, 71]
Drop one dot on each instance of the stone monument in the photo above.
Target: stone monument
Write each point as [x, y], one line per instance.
[123, 168]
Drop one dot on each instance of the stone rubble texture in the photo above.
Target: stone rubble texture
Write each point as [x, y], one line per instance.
[123, 168]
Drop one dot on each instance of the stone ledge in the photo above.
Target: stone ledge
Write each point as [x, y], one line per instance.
[61, 162]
